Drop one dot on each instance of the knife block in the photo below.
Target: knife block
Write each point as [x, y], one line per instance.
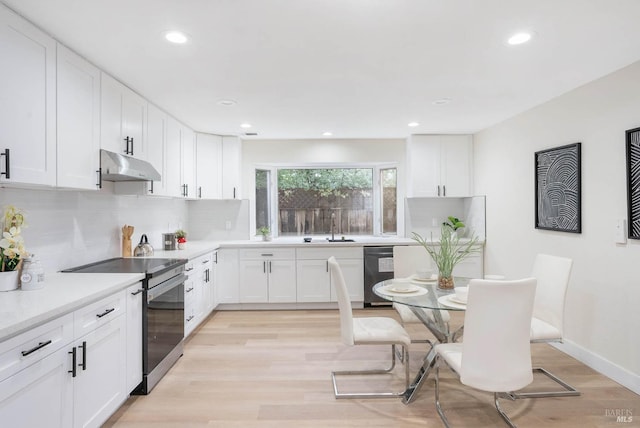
[126, 247]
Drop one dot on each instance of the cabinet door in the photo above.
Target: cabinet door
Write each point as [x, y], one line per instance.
[188, 162]
[172, 177]
[456, 155]
[157, 147]
[209, 166]
[27, 102]
[253, 284]
[207, 285]
[190, 303]
[78, 115]
[227, 286]
[134, 336]
[231, 167]
[423, 162]
[282, 281]
[99, 387]
[40, 395]
[213, 281]
[353, 272]
[134, 117]
[312, 281]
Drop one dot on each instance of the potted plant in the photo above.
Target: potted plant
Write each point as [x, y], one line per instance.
[447, 253]
[12, 249]
[181, 237]
[265, 232]
[453, 223]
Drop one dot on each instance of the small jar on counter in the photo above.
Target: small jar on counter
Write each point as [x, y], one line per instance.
[32, 276]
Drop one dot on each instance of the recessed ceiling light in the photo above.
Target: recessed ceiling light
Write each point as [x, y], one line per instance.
[227, 102]
[177, 37]
[327, 134]
[441, 101]
[245, 125]
[519, 38]
[413, 124]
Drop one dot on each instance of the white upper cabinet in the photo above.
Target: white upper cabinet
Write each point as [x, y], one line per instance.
[209, 166]
[439, 165]
[78, 102]
[172, 177]
[188, 164]
[27, 103]
[123, 119]
[231, 167]
[157, 145]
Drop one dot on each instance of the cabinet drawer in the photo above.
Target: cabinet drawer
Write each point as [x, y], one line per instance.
[96, 314]
[198, 261]
[325, 253]
[268, 252]
[24, 349]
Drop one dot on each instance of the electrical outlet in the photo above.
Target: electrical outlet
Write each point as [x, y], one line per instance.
[620, 233]
[227, 225]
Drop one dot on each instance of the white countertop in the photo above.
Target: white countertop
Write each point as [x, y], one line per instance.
[62, 293]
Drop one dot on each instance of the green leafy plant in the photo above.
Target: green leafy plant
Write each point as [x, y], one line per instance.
[264, 231]
[453, 222]
[449, 251]
[181, 236]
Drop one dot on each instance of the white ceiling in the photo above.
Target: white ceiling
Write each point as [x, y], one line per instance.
[357, 68]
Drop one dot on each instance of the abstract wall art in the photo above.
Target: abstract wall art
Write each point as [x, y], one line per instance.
[558, 189]
[633, 182]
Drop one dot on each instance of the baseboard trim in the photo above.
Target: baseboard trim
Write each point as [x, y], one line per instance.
[613, 371]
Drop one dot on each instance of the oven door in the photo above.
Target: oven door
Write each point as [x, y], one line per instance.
[164, 321]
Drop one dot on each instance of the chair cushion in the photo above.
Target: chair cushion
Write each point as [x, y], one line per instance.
[408, 317]
[379, 330]
[451, 353]
[542, 331]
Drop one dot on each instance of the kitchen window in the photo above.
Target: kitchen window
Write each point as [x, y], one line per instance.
[316, 200]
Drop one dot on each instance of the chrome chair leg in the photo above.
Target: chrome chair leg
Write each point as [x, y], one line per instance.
[501, 412]
[338, 394]
[569, 391]
[445, 421]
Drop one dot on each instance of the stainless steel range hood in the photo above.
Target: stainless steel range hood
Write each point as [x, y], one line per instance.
[117, 167]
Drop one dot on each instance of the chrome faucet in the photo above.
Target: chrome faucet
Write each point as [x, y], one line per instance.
[333, 226]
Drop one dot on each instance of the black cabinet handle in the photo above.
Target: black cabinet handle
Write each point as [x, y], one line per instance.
[108, 311]
[35, 348]
[189, 290]
[138, 291]
[73, 362]
[99, 183]
[131, 146]
[269, 266]
[151, 187]
[438, 190]
[83, 364]
[200, 192]
[190, 318]
[264, 267]
[234, 193]
[215, 260]
[186, 190]
[7, 172]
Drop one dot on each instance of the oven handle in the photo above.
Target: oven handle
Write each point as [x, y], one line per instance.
[163, 287]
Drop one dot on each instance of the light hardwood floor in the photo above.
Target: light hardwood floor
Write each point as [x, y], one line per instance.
[272, 369]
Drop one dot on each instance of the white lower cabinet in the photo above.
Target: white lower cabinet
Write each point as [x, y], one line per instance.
[314, 282]
[227, 290]
[134, 296]
[267, 275]
[68, 372]
[198, 291]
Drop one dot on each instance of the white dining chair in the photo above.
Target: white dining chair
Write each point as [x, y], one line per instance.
[367, 331]
[495, 355]
[552, 274]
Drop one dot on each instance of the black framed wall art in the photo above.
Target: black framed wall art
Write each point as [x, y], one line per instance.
[558, 189]
[633, 182]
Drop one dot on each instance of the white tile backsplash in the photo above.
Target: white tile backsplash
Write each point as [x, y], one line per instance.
[71, 228]
[208, 219]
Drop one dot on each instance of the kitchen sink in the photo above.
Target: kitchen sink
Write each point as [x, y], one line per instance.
[340, 240]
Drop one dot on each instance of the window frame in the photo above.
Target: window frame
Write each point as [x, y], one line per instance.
[377, 167]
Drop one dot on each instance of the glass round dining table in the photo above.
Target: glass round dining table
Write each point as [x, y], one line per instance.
[430, 305]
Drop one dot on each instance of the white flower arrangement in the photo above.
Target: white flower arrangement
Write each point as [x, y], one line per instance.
[12, 244]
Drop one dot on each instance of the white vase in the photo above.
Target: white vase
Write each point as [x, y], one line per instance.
[9, 280]
[182, 245]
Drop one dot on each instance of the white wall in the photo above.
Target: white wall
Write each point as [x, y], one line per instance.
[602, 315]
[71, 228]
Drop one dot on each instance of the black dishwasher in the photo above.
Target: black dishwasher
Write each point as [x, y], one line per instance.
[378, 266]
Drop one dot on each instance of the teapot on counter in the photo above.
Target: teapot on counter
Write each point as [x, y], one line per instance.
[143, 249]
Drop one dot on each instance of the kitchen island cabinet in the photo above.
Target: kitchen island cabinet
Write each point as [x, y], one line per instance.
[28, 103]
[267, 275]
[314, 282]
